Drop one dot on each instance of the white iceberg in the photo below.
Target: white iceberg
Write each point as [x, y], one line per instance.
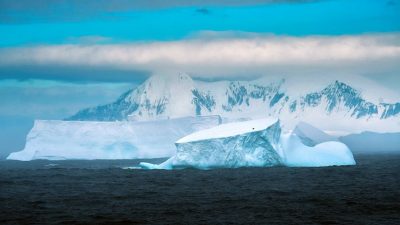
[255, 143]
[57, 140]
[310, 135]
[331, 153]
[232, 145]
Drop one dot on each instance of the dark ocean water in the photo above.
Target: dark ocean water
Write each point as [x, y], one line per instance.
[100, 192]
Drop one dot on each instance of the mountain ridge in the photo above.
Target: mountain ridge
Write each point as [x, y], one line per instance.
[177, 96]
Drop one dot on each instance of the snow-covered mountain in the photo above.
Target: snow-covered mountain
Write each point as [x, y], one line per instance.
[339, 104]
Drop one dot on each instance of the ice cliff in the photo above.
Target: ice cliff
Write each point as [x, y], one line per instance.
[58, 140]
[255, 143]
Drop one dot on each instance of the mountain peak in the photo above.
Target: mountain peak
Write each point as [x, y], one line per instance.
[169, 78]
[178, 95]
[341, 86]
[163, 94]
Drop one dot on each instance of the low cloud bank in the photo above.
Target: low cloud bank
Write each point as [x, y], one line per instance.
[223, 55]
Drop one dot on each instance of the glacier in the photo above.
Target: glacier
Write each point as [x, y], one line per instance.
[58, 140]
[254, 143]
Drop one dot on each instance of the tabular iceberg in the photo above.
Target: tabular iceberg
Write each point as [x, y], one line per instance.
[255, 143]
[59, 140]
[232, 145]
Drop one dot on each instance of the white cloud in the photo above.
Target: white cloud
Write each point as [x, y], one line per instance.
[226, 55]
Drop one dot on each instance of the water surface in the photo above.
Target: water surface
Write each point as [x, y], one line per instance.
[100, 192]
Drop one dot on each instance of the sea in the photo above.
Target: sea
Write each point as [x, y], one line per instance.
[106, 192]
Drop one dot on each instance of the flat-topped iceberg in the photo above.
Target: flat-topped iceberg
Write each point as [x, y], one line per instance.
[255, 143]
[57, 140]
[232, 145]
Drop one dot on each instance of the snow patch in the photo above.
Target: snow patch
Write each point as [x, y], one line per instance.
[229, 129]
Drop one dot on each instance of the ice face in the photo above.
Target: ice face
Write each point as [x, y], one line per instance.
[256, 143]
[255, 148]
[243, 144]
[58, 140]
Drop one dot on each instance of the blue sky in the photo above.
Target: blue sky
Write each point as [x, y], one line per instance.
[57, 56]
[327, 17]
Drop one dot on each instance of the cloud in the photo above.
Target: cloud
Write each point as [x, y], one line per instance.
[222, 55]
[23, 11]
[91, 39]
[71, 73]
[391, 3]
[203, 11]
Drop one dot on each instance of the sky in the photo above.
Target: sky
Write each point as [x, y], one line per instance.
[57, 57]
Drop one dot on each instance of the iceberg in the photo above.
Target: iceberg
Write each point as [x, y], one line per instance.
[310, 135]
[57, 140]
[231, 145]
[254, 143]
[331, 153]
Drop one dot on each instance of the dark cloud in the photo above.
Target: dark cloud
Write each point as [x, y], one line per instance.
[25, 11]
[203, 11]
[79, 74]
[391, 2]
[256, 54]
